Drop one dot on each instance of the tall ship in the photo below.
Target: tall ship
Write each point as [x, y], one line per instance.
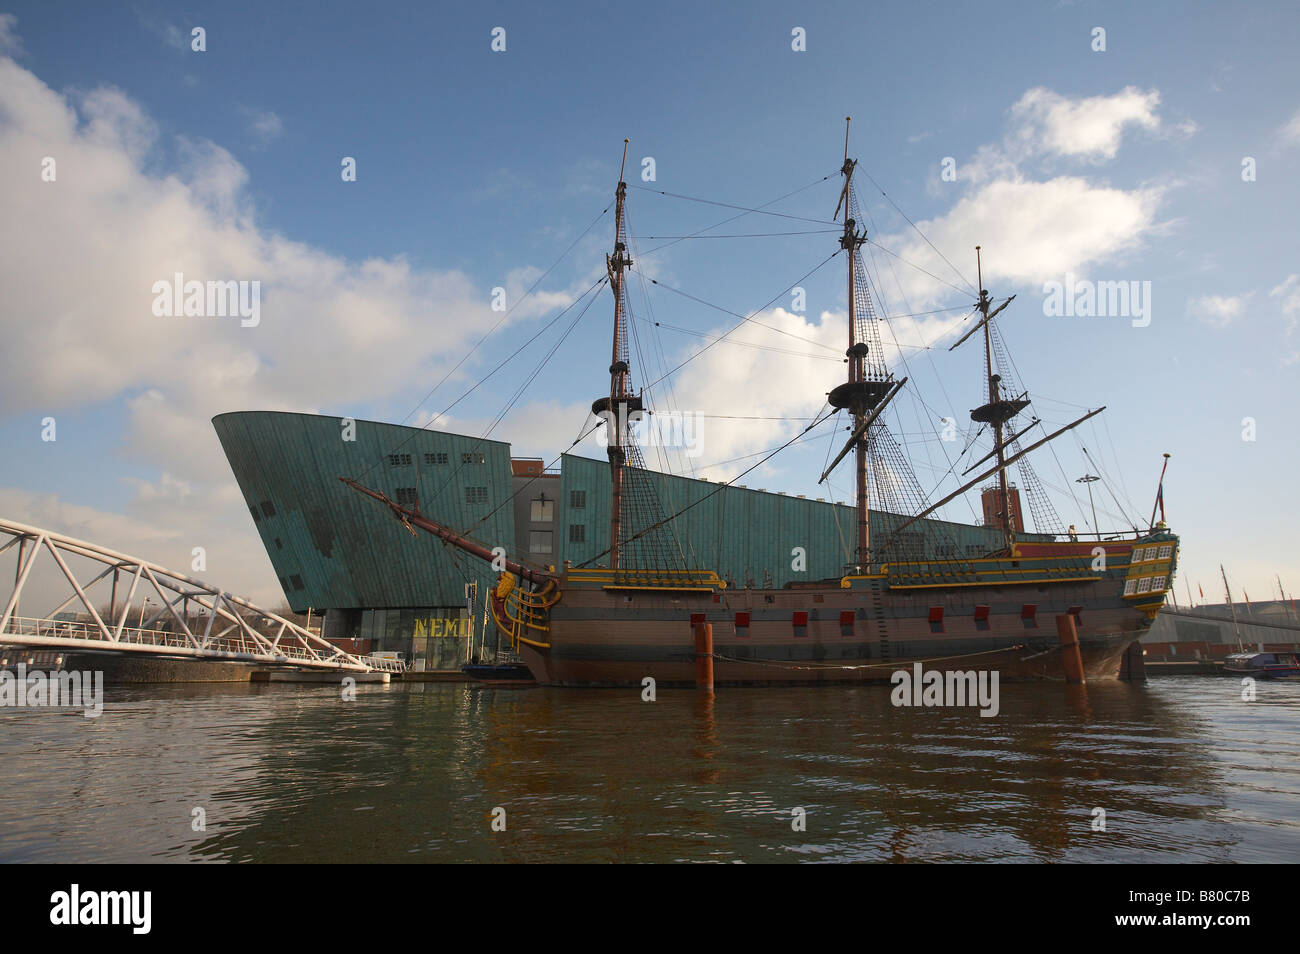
[907, 595]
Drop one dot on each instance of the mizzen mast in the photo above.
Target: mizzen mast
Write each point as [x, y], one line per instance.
[998, 410]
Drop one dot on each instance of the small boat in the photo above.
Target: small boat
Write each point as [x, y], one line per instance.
[1263, 665]
[514, 674]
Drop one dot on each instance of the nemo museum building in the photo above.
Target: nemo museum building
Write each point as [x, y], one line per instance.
[382, 588]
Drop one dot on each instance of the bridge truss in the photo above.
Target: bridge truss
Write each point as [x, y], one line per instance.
[223, 629]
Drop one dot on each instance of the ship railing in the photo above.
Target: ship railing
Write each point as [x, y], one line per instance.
[657, 579]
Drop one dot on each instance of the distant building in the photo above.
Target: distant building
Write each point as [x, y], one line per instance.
[382, 588]
[990, 501]
[1209, 631]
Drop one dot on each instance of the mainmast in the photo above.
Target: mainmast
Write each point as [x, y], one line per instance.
[865, 387]
[620, 404]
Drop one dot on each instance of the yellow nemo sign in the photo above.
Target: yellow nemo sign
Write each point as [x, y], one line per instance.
[436, 627]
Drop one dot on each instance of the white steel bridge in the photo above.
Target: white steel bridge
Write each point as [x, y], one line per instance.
[222, 629]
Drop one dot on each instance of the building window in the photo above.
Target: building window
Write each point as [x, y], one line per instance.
[278, 544]
[1166, 551]
[473, 459]
[543, 510]
[1157, 584]
[1144, 584]
[476, 496]
[436, 459]
[406, 497]
[268, 508]
[577, 533]
[399, 460]
[296, 580]
[253, 511]
[577, 499]
[539, 541]
[284, 584]
[1130, 587]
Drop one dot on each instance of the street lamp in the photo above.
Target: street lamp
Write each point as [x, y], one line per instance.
[1089, 479]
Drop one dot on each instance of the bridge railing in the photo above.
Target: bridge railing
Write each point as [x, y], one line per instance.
[289, 649]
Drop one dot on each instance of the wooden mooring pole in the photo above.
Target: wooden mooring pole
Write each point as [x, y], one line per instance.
[1071, 658]
[704, 656]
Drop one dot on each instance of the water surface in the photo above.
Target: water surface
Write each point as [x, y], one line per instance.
[1184, 769]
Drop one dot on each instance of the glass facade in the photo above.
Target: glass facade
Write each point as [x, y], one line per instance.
[427, 637]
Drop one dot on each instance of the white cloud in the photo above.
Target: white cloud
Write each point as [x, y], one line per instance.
[1089, 127]
[1288, 293]
[1290, 131]
[1030, 232]
[1218, 311]
[169, 33]
[1034, 223]
[10, 44]
[1045, 124]
[264, 124]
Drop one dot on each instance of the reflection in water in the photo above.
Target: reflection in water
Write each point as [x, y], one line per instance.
[1184, 769]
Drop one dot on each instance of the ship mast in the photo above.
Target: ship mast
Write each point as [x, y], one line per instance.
[617, 407]
[1004, 508]
[999, 409]
[1232, 607]
[869, 387]
[851, 241]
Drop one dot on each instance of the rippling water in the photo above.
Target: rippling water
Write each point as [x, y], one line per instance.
[1185, 770]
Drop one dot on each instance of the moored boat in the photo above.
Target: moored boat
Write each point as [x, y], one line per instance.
[1263, 665]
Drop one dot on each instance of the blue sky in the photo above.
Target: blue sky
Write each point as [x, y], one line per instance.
[477, 169]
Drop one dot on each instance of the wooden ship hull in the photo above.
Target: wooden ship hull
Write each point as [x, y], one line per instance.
[1000, 614]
